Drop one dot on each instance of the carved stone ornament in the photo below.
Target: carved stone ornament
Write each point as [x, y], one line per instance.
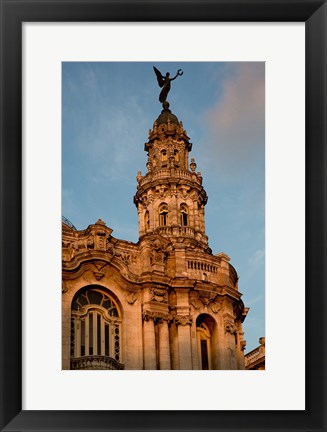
[110, 248]
[161, 191]
[208, 302]
[126, 257]
[196, 303]
[243, 345]
[131, 298]
[230, 327]
[156, 316]
[159, 295]
[183, 320]
[157, 254]
[98, 275]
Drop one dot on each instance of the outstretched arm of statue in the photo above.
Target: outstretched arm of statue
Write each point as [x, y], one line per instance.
[178, 73]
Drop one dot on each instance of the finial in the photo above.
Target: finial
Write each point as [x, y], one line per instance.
[193, 165]
[139, 175]
[149, 165]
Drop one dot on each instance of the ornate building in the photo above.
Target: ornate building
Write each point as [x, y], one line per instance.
[256, 359]
[165, 302]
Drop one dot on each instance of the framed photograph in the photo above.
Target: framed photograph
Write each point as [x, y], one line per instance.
[154, 326]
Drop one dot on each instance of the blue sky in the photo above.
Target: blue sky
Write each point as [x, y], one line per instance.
[107, 110]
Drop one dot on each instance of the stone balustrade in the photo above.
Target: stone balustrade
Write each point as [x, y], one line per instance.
[95, 362]
[255, 359]
[203, 266]
[176, 231]
[166, 173]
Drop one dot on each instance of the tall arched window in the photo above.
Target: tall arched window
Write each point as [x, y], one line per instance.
[95, 330]
[204, 349]
[163, 214]
[147, 221]
[164, 156]
[176, 154]
[184, 214]
[204, 329]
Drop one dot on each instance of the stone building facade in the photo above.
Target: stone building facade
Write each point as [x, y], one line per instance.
[165, 302]
[256, 358]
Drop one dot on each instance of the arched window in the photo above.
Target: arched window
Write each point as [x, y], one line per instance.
[204, 348]
[204, 331]
[176, 154]
[163, 214]
[95, 330]
[184, 214]
[164, 156]
[147, 221]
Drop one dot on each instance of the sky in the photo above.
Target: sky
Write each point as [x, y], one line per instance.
[107, 111]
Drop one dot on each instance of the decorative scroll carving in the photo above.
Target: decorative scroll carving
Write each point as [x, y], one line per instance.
[156, 316]
[161, 191]
[159, 295]
[208, 301]
[243, 345]
[132, 298]
[110, 248]
[196, 303]
[230, 327]
[157, 253]
[71, 247]
[126, 257]
[183, 320]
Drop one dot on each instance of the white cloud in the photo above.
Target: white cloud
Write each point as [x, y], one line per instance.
[236, 123]
[257, 258]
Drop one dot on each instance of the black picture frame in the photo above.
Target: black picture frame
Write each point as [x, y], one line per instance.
[13, 14]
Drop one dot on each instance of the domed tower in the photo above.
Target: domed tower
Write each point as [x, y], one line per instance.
[170, 198]
[165, 302]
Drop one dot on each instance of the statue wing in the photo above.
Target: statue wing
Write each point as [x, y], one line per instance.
[160, 78]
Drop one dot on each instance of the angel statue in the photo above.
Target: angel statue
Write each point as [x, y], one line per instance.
[164, 82]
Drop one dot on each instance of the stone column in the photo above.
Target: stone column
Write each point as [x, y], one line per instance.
[202, 223]
[141, 218]
[164, 345]
[196, 215]
[241, 344]
[66, 330]
[173, 203]
[150, 207]
[150, 361]
[184, 341]
[231, 345]
[174, 346]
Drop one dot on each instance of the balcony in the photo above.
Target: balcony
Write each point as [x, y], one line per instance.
[175, 231]
[165, 173]
[96, 362]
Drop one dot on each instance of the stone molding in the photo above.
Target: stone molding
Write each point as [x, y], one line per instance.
[183, 320]
[156, 316]
[243, 345]
[210, 301]
[131, 298]
[159, 295]
[230, 327]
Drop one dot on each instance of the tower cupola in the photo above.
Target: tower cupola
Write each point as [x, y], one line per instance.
[170, 197]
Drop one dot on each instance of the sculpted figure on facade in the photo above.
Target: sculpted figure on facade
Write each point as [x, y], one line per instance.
[157, 253]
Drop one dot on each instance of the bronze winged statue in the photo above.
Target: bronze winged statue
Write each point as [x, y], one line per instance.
[164, 82]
